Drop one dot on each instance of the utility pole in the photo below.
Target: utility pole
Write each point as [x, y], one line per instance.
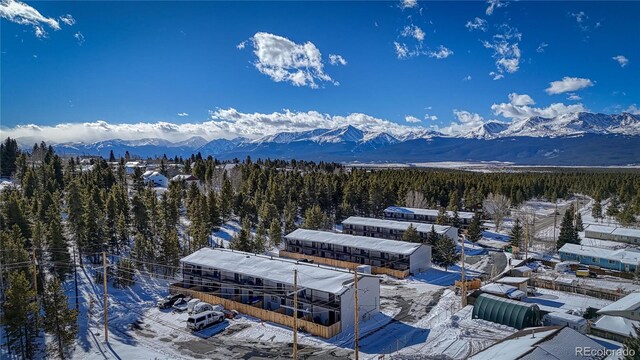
[75, 273]
[355, 300]
[463, 298]
[295, 314]
[35, 282]
[106, 308]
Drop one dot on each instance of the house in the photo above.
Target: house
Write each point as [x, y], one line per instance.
[155, 178]
[263, 286]
[616, 328]
[620, 234]
[521, 271]
[395, 258]
[187, 179]
[557, 318]
[627, 307]
[504, 291]
[424, 215]
[519, 282]
[130, 166]
[393, 230]
[621, 260]
[548, 342]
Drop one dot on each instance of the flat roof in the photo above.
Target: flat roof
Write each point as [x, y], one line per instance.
[427, 212]
[625, 256]
[395, 225]
[273, 268]
[567, 317]
[630, 302]
[622, 231]
[627, 232]
[600, 229]
[513, 280]
[360, 242]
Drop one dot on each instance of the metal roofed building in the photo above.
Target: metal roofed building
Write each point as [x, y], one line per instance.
[620, 260]
[393, 230]
[325, 295]
[614, 328]
[627, 307]
[423, 215]
[508, 312]
[351, 250]
[620, 234]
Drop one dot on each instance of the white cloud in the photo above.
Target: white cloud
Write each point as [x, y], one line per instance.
[518, 112]
[495, 4]
[241, 45]
[442, 53]
[430, 117]
[412, 119]
[633, 109]
[285, 61]
[496, 76]
[78, 36]
[68, 19]
[568, 84]
[581, 19]
[183, 114]
[505, 50]
[465, 122]
[541, 47]
[621, 59]
[23, 14]
[519, 100]
[414, 32]
[467, 78]
[408, 4]
[574, 97]
[337, 60]
[477, 24]
[467, 117]
[401, 50]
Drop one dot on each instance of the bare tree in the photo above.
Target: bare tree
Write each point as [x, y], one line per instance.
[415, 199]
[497, 206]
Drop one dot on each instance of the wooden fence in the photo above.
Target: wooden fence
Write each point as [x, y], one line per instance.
[578, 289]
[266, 315]
[471, 284]
[400, 274]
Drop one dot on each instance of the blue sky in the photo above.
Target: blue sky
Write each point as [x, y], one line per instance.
[129, 69]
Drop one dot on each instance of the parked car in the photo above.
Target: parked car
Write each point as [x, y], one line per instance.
[181, 304]
[202, 320]
[168, 301]
[586, 273]
[200, 308]
[193, 302]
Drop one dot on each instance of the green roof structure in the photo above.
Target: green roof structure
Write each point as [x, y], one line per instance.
[508, 312]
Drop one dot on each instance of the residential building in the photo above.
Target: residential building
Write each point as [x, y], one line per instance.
[155, 178]
[627, 307]
[621, 260]
[187, 179]
[520, 282]
[130, 166]
[325, 295]
[393, 230]
[424, 215]
[384, 256]
[620, 234]
[616, 328]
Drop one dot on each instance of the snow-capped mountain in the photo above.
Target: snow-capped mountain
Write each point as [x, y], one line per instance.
[569, 137]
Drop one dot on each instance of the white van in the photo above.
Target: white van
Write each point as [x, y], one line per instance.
[204, 319]
[201, 307]
[191, 304]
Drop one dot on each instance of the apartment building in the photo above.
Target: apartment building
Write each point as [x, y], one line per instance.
[393, 230]
[424, 215]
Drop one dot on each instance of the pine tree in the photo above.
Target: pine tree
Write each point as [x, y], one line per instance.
[411, 235]
[315, 219]
[632, 345]
[60, 322]
[290, 215]
[568, 233]
[446, 250]
[260, 240]
[455, 219]
[517, 235]
[170, 251]
[59, 248]
[242, 240]
[124, 273]
[20, 311]
[474, 233]
[75, 219]
[579, 223]
[9, 152]
[596, 210]
[275, 232]
[442, 218]
[112, 157]
[614, 207]
[226, 198]
[215, 220]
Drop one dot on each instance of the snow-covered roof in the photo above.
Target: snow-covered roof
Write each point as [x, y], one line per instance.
[627, 232]
[625, 256]
[616, 324]
[132, 164]
[147, 173]
[630, 302]
[513, 347]
[275, 269]
[395, 225]
[360, 242]
[566, 317]
[513, 280]
[185, 177]
[498, 289]
[600, 229]
[426, 212]
[523, 268]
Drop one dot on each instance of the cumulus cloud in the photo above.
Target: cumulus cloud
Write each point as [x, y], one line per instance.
[518, 108]
[568, 84]
[541, 47]
[79, 37]
[465, 121]
[467, 117]
[477, 24]
[633, 109]
[495, 4]
[402, 51]
[412, 119]
[68, 19]
[621, 59]
[505, 50]
[408, 4]
[337, 60]
[23, 14]
[241, 45]
[286, 61]
[413, 31]
[441, 53]
[519, 100]
[183, 114]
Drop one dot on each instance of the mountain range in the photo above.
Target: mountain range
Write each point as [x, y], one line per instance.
[569, 139]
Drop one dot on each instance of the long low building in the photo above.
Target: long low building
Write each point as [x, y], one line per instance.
[424, 215]
[620, 260]
[620, 234]
[255, 283]
[351, 251]
[393, 230]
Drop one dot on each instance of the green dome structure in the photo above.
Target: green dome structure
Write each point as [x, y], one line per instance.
[508, 312]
